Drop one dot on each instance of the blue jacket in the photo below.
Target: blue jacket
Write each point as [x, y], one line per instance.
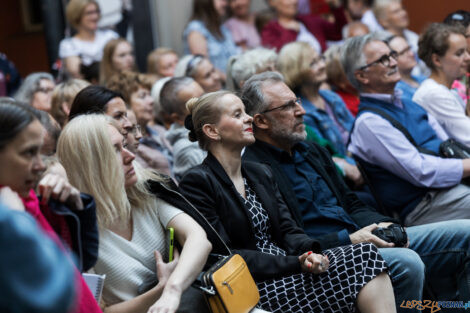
[35, 276]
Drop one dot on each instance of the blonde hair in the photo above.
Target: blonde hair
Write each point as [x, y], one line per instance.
[204, 110]
[89, 158]
[294, 62]
[154, 57]
[65, 92]
[106, 65]
[334, 68]
[380, 7]
[74, 11]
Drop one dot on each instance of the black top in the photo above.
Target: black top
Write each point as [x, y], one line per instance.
[210, 189]
[320, 160]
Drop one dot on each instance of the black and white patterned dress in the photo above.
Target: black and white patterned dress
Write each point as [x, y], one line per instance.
[351, 267]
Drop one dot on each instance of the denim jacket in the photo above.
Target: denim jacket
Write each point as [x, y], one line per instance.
[323, 125]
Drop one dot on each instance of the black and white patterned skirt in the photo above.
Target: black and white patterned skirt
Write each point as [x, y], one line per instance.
[351, 268]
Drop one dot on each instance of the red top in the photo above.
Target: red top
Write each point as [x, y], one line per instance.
[351, 100]
[276, 36]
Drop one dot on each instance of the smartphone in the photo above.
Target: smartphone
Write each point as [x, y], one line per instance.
[171, 242]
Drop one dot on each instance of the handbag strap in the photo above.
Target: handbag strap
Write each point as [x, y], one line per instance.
[398, 126]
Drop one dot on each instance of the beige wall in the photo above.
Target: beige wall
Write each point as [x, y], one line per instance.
[172, 17]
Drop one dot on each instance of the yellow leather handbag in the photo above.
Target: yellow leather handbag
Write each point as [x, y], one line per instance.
[229, 286]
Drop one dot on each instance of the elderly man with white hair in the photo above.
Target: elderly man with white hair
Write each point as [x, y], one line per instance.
[394, 19]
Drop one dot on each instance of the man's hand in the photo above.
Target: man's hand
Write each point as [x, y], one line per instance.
[365, 235]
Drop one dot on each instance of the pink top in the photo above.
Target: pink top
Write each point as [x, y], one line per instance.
[244, 32]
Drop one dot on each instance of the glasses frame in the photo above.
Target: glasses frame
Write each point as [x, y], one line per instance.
[402, 52]
[296, 102]
[384, 60]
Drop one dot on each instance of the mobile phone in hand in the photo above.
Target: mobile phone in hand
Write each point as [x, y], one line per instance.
[171, 242]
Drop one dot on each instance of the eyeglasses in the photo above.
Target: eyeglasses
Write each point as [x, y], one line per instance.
[317, 60]
[384, 60]
[402, 52]
[45, 90]
[91, 12]
[136, 130]
[289, 106]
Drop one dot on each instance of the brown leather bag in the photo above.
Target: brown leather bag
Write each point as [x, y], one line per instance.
[229, 286]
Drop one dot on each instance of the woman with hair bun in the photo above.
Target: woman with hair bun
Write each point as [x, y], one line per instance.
[242, 202]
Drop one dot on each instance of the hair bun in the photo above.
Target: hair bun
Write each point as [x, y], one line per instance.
[188, 124]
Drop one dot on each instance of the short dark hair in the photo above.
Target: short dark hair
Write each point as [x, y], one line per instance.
[435, 39]
[459, 17]
[14, 117]
[169, 100]
[92, 99]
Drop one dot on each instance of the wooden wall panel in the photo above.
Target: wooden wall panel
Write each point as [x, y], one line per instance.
[26, 49]
[424, 12]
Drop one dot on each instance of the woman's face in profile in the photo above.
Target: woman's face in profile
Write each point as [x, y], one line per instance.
[235, 126]
[125, 157]
[20, 160]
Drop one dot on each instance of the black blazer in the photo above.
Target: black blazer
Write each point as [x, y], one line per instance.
[209, 188]
[319, 158]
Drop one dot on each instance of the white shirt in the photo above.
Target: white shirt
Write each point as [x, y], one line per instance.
[369, 19]
[447, 107]
[88, 51]
[127, 264]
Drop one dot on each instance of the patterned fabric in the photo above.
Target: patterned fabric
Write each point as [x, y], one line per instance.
[351, 267]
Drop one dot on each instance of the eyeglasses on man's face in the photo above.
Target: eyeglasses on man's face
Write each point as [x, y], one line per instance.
[402, 52]
[288, 106]
[384, 60]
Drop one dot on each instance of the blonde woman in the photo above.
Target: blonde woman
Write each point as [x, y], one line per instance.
[241, 200]
[86, 46]
[161, 62]
[132, 220]
[62, 98]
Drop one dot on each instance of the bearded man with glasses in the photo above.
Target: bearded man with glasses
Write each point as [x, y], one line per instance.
[321, 203]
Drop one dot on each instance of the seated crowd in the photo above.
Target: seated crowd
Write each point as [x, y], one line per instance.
[290, 136]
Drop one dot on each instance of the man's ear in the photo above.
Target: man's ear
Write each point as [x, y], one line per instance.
[361, 76]
[211, 131]
[436, 60]
[260, 121]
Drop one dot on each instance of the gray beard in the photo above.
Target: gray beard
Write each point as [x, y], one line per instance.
[287, 138]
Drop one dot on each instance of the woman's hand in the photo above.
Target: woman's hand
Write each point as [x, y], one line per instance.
[168, 303]
[164, 270]
[11, 199]
[57, 187]
[314, 263]
[170, 299]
